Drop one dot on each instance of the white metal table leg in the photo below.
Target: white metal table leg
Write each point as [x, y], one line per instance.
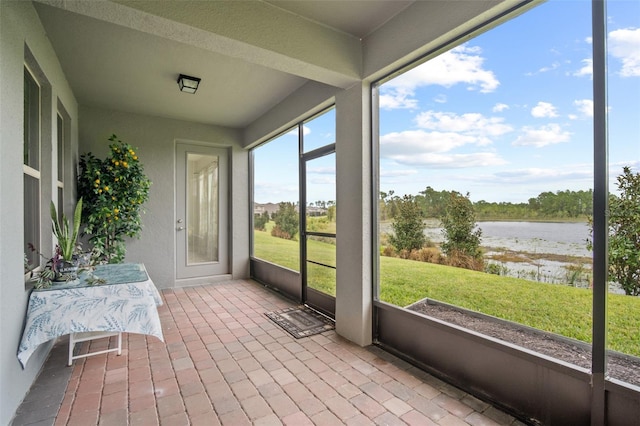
[83, 337]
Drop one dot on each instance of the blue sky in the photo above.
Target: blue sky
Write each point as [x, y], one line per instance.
[508, 114]
[505, 116]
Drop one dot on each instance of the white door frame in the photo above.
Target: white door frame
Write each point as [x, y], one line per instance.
[204, 271]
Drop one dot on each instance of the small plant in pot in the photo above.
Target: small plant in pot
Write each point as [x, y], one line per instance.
[63, 266]
[66, 235]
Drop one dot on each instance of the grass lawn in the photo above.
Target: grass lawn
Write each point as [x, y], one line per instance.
[555, 308]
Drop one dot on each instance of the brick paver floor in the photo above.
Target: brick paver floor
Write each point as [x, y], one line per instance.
[224, 362]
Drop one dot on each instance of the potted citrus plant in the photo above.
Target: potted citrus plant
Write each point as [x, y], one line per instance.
[114, 190]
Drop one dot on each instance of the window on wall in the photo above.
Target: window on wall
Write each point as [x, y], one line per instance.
[486, 177]
[65, 175]
[60, 156]
[31, 166]
[276, 190]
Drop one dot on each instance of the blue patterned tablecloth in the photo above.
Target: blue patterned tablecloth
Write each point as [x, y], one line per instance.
[127, 302]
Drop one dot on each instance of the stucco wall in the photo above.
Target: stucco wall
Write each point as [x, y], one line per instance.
[20, 27]
[155, 139]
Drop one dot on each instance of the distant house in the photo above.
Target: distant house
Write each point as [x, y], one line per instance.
[271, 208]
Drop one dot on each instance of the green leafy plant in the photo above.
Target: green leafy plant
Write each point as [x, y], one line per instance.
[286, 221]
[66, 235]
[55, 269]
[408, 229]
[624, 233]
[260, 221]
[462, 237]
[113, 190]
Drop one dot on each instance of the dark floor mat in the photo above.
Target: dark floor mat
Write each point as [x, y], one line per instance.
[301, 321]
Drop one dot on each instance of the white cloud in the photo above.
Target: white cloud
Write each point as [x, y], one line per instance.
[576, 172]
[412, 142]
[542, 70]
[542, 136]
[500, 107]
[322, 170]
[441, 133]
[432, 149]
[584, 107]
[544, 110]
[586, 70]
[267, 192]
[460, 65]
[398, 100]
[322, 180]
[305, 131]
[471, 124]
[397, 173]
[615, 169]
[440, 99]
[442, 161]
[624, 44]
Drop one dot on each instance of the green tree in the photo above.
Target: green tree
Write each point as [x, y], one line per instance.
[408, 229]
[432, 202]
[286, 221]
[331, 212]
[459, 228]
[113, 191]
[624, 233]
[260, 220]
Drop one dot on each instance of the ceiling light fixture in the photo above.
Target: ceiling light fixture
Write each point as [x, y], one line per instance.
[188, 84]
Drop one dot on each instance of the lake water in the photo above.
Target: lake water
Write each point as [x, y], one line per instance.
[534, 238]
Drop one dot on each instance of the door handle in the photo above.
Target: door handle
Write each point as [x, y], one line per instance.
[180, 228]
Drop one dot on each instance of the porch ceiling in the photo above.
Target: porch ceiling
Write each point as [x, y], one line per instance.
[126, 55]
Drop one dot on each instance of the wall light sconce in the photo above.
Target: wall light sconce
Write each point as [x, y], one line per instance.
[188, 84]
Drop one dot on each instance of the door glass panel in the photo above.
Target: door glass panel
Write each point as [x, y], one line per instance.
[202, 208]
[321, 250]
[321, 276]
[321, 194]
[321, 224]
[319, 131]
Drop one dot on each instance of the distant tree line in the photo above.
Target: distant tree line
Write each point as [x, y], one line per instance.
[577, 205]
[286, 219]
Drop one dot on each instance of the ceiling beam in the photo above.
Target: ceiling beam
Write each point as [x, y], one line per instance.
[250, 30]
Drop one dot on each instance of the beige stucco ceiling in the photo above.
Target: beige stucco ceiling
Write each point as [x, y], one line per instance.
[358, 18]
[126, 55]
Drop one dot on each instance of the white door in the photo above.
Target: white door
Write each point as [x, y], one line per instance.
[202, 247]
